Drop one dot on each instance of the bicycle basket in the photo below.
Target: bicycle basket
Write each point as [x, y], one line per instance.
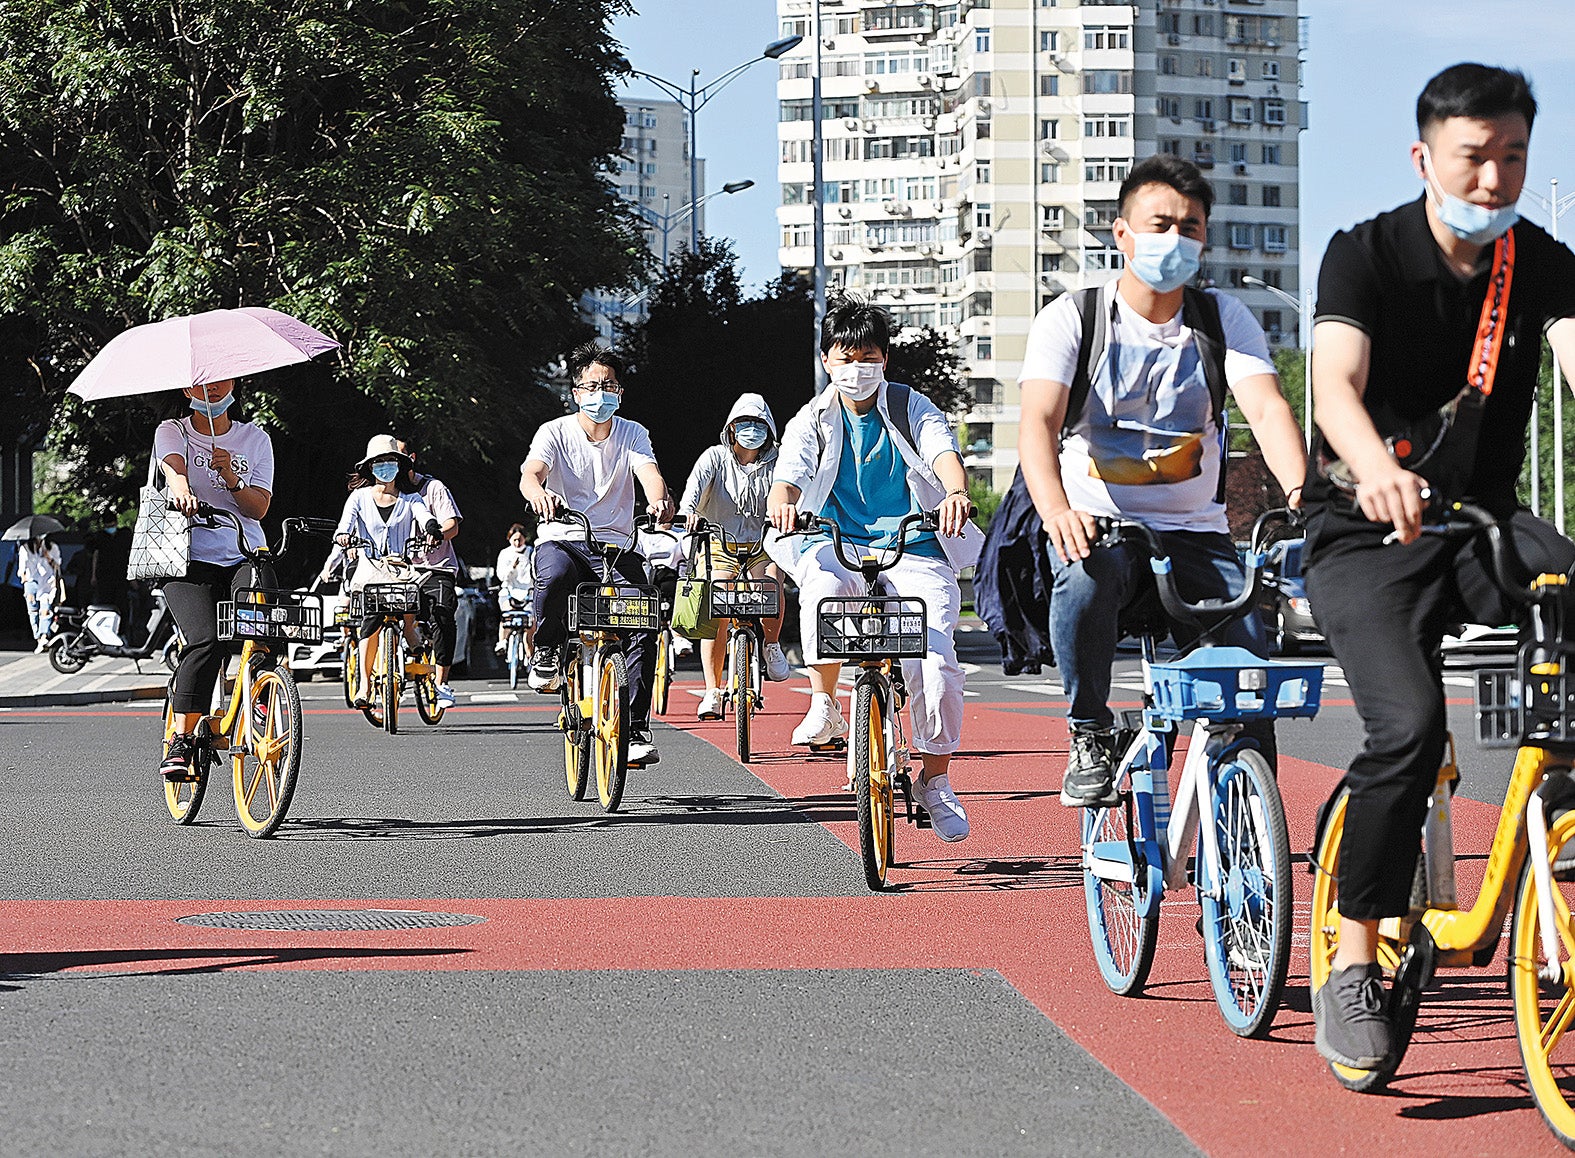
[1531, 704]
[282, 616]
[390, 599]
[863, 627]
[1230, 683]
[745, 598]
[594, 607]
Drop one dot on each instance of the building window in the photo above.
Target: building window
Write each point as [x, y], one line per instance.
[1240, 235]
[1274, 238]
[1203, 154]
[1271, 70]
[1170, 146]
[1049, 129]
[1240, 111]
[1273, 111]
[1049, 41]
[1236, 70]
[1107, 125]
[1203, 24]
[981, 217]
[1051, 262]
[981, 40]
[1052, 218]
[1050, 85]
[1273, 324]
[1169, 65]
[1271, 154]
[1102, 259]
[1096, 37]
[1237, 194]
[1272, 277]
[1203, 109]
[1111, 170]
[1271, 196]
[1238, 152]
[1107, 80]
[1205, 66]
[1238, 277]
[1170, 107]
[981, 172]
[983, 347]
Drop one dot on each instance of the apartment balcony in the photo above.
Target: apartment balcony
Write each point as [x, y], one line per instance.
[993, 412]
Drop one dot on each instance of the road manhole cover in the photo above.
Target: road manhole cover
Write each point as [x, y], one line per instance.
[330, 920]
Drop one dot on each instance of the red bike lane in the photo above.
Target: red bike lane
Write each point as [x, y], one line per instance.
[1009, 900]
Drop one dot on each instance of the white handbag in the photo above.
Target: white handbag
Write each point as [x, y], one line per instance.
[370, 570]
[161, 541]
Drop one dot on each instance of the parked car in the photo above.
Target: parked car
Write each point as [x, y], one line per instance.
[1282, 599]
[308, 660]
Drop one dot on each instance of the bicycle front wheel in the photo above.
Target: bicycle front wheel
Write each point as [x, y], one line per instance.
[872, 784]
[662, 682]
[182, 797]
[350, 662]
[610, 729]
[1123, 923]
[514, 660]
[1247, 912]
[1545, 1009]
[264, 778]
[391, 665]
[743, 692]
[427, 690]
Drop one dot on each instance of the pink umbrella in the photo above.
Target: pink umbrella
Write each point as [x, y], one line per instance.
[208, 347]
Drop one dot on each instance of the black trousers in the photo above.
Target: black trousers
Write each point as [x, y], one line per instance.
[1384, 610]
[194, 601]
[438, 600]
[561, 567]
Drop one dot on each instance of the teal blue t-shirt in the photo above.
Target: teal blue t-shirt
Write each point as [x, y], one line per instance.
[871, 493]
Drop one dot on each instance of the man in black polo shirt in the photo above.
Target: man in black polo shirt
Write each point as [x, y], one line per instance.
[1400, 323]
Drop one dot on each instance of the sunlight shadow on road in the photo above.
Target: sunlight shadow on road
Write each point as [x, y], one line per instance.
[16, 969]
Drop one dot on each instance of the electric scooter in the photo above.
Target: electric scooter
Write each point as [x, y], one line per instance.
[80, 635]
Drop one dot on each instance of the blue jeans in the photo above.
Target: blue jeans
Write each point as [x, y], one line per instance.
[40, 600]
[1089, 594]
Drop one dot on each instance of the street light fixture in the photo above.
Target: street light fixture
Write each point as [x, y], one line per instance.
[667, 222]
[1304, 329]
[695, 98]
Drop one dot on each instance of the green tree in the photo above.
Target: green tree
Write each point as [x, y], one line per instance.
[426, 182]
[1546, 495]
[928, 361]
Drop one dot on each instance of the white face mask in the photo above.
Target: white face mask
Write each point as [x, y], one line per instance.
[859, 380]
[1468, 221]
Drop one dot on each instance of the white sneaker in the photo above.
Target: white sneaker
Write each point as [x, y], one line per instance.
[642, 749]
[946, 811]
[40, 646]
[777, 668]
[710, 706]
[445, 697]
[823, 722]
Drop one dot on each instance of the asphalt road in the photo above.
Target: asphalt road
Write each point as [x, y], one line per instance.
[702, 973]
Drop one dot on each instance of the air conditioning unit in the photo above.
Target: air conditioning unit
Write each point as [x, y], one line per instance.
[1048, 147]
[939, 206]
[845, 213]
[897, 291]
[850, 122]
[869, 126]
[828, 42]
[1241, 166]
[834, 254]
[926, 250]
[890, 206]
[925, 80]
[984, 236]
[1173, 38]
[872, 85]
[874, 246]
[928, 122]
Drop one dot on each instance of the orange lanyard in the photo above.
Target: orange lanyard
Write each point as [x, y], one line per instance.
[1490, 327]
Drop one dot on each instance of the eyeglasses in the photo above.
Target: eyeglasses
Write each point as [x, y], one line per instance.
[608, 385]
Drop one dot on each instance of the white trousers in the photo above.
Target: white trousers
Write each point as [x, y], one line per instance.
[935, 683]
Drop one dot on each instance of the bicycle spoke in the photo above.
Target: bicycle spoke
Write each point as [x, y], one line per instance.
[1558, 1021]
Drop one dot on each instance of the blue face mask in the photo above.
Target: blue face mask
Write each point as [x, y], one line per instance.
[1476, 224]
[1165, 261]
[750, 435]
[385, 471]
[212, 409]
[599, 405]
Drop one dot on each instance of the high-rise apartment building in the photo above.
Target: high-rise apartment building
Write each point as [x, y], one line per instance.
[973, 151]
[653, 175]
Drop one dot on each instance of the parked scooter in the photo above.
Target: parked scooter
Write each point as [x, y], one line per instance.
[81, 635]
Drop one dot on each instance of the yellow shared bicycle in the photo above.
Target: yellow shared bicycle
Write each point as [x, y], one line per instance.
[1530, 866]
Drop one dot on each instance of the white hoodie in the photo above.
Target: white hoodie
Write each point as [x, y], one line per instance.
[728, 493]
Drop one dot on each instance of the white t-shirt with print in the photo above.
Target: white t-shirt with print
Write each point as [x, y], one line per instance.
[596, 478]
[251, 454]
[1146, 446]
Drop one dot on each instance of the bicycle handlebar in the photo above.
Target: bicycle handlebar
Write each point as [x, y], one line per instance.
[1220, 610]
[1467, 517]
[212, 516]
[925, 520]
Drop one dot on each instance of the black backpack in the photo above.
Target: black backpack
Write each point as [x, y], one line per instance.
[1199, 312]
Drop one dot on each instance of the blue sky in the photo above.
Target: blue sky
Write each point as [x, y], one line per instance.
[1368, 60]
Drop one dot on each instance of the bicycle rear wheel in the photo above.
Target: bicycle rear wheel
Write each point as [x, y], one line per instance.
[1545, 1009]
[514, 660]
[610, 731]
[872, 784]
[350, 663]
[1123, 924]
[388, 668]
[662, 683]
[743, 692]
[576, 742]
[1247, 925]
[264, 779]
[183, 797]
[1325, 940]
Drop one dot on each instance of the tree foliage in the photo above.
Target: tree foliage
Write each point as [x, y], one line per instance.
[928, 361]
[425, 181]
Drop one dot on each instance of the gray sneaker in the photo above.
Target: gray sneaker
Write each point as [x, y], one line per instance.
[1353, 1023]
[1090, 780]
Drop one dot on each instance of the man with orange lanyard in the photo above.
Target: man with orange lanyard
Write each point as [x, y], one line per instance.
[1427, 340]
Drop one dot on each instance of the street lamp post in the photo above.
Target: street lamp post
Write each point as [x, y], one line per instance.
[666, 222]
[1304, 329]
[817, 142]
[1555, 207]
[694, 98]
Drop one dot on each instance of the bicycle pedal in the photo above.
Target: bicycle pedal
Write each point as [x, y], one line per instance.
[838, 745]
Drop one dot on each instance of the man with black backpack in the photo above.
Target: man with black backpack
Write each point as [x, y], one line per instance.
[1123, 404]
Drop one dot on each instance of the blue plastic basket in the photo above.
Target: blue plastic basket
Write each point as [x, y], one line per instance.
[1230, 683]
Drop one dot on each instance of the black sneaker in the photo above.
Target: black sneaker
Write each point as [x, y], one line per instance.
[642, 749]
[178, 758]
[1353, 1023]
[1090, 779]
[544, 675]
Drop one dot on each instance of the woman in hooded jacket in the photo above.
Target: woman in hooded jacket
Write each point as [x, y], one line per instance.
[728, 488]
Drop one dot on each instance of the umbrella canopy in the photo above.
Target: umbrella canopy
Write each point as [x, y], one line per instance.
[188, 351]
[32, 527]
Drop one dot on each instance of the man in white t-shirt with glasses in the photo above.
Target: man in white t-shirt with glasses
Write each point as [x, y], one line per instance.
[1145, 444]
[589, 461]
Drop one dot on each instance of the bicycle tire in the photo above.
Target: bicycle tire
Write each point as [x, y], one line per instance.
[872, 784]
[1123, 924]
[576, 742]
[1543, 1008]
[427, 691]
[610, 728]
[662, 682]
[63, 659]
[349, 665]
[169, 654]
[182, 797]
[1324, 941]
[264, 780]
[743, 693]
[514, 660]
[1247, 930]
[393, 662]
